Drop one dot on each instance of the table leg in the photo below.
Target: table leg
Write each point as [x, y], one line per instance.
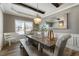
[39, 47]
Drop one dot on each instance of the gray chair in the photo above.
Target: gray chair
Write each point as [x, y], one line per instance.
[60, 45]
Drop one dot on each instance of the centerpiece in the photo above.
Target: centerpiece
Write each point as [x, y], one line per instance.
[50, 30]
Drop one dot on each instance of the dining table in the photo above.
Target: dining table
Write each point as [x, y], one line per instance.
[42, 42]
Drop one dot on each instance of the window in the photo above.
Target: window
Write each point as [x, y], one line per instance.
[23, 26]
[28, 26]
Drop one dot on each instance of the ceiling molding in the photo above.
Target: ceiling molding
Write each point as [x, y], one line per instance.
[22, 13]
[65, 8]
[2, 8]
[29, 7]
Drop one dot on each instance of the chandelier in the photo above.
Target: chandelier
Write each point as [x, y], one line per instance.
[37, 19]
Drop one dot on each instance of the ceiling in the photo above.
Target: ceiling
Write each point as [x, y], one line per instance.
[48, 8]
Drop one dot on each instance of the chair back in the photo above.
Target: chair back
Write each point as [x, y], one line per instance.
[10, 35]
[7, 35]
[60, 45]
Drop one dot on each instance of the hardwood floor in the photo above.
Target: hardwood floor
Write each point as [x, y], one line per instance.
[69, 52]
[13, 50]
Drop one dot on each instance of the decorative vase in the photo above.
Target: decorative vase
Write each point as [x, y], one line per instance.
[50, 35]
[50, 31]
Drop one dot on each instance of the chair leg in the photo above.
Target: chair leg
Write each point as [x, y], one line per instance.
[9, 42]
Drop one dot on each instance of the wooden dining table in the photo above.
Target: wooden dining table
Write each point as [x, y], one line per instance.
[41, 41]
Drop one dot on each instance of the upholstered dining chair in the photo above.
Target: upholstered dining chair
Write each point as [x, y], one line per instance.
[60, 45]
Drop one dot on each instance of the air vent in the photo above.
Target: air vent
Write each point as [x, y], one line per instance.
[56, 4]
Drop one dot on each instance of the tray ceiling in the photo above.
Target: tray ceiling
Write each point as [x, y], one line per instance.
[48, 8]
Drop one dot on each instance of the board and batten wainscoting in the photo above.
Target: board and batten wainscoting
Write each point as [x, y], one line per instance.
[72, 43]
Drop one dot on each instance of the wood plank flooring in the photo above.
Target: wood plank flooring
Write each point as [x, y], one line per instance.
[15, 50]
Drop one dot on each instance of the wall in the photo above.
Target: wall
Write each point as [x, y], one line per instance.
[73, 20]
[1, 29]
[9, 22]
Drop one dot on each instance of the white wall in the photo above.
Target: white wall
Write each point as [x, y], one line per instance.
[73, 20]
[1, 29]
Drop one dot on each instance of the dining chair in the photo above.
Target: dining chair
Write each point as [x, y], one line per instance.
[9, 37]
[59, 47]
[61, 44]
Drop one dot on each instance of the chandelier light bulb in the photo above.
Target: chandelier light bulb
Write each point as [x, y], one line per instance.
[37, 20]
